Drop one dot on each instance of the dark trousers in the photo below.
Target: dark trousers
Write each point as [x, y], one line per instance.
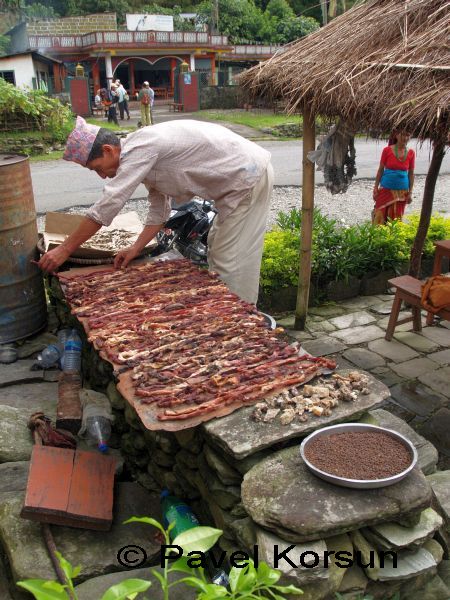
[112, 114]
[123, 108]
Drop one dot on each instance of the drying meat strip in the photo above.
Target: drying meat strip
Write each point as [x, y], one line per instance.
[193, 346]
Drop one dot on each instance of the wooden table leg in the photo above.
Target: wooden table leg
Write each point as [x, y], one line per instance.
[395, 310]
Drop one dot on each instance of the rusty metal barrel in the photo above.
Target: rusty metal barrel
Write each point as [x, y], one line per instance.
[23, 308]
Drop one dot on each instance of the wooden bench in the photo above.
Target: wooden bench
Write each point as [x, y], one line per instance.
[409, 290]
[175, 106]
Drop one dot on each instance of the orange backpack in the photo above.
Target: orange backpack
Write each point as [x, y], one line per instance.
[436, 293]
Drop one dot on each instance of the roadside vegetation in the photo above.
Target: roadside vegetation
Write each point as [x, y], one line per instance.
[340, 252]
[257, 119]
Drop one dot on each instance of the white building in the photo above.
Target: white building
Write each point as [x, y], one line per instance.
[28, 69]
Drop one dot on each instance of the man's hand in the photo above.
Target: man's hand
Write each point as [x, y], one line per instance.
[124, 257]
[53, 259]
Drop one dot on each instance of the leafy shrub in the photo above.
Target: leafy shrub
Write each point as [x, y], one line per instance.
[36, 108]
[339, 252]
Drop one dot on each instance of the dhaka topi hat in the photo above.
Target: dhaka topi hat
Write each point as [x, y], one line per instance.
[80, 141]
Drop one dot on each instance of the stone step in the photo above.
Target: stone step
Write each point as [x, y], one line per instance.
[4, 582]
[282, 495]
[15, 438]
[32, 397]
[95, 551]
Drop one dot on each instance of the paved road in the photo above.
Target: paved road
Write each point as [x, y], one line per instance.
[58, 184]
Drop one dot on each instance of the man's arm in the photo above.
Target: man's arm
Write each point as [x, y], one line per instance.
[54, 258]
[125, 256]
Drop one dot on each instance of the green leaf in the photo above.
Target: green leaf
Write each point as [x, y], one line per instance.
[44, 590]
[147, 521]
[162, 581]
[287, 589]
[266, 575]
[195, 583]
[213, 592]
[181, 566]
[122, 590]
[65, 565]
[197, 539]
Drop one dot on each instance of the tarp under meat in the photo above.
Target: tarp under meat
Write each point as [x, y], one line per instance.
[184, 348]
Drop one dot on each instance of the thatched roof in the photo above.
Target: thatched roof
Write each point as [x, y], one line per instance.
[383, 63]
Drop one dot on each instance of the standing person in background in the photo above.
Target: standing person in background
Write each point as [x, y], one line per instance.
[146, 98]
[109, 99]
[395, 179]
[123, 100]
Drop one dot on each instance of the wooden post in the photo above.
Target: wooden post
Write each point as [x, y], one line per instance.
[309, 143]
[427, 207]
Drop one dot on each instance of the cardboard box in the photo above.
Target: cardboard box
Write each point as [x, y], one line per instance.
[58, 226]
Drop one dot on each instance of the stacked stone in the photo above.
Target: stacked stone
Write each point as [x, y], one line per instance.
[73, 25]
[248, 479]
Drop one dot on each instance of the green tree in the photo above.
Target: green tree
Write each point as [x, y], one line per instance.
[36, 10]
[4, 44]
[280, 9]
[241, 20]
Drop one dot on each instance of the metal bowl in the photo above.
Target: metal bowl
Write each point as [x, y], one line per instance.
[358, 483]
[270, 321]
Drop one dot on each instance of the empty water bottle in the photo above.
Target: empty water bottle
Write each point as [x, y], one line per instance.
[49, 356]
[72, 353]
[98, 431]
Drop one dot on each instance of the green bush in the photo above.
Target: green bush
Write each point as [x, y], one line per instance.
[37, 109]
[339, 252]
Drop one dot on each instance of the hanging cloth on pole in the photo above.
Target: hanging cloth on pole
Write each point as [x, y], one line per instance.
[335, 156]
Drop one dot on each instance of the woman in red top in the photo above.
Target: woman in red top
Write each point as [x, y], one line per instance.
[395, 179]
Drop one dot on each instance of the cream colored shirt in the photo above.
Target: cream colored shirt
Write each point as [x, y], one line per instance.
[182, 159]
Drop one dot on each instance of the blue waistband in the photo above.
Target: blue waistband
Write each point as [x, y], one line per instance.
[394, 179]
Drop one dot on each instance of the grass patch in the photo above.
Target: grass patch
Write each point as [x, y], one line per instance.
[55, 155]
[105, 125]
[256, 119]
[31, 134]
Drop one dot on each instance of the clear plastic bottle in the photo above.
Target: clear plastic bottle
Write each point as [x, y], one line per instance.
[49, 356]
[72, 353]
[98, 431]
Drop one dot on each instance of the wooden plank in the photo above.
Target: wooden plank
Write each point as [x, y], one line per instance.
[91, 490]
[49, 480]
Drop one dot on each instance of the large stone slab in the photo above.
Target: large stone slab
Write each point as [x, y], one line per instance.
[392, 536]
[415, 341]
[392, 350]
[437, 429]
[19, 372]
[95, 551]
[411, 564]
[364, 359]
[326, 310]
[414, 368]
[355, 319]
[427, 453]
[282, 495]
[417, 398]
[440, 482]
[439, 335]
[4, 583]
[358, 335]
[306, 570]
[31, 397]
[240, 436]
[439, 381]
[36, 344]
[95, 588]
[15, 437]
[13, 476]
[442, 357]
[323, 346]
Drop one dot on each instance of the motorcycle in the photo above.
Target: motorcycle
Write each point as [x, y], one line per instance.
[187, 231]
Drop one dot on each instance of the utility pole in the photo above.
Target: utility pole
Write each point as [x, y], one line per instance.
[324, 7]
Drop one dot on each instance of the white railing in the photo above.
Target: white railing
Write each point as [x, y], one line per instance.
[125, 38]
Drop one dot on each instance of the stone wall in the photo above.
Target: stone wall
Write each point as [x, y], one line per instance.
[220, 97]
[73, 25]
[247, 478]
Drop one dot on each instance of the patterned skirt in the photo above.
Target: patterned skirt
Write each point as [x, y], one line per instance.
[390, 204]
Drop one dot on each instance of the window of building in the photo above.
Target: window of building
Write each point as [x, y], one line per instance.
[8, 76]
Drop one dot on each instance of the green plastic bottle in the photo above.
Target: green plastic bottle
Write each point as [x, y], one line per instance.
[176, 511]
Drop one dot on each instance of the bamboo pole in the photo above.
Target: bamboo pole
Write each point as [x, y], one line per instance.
[309, 142]
[427, 208]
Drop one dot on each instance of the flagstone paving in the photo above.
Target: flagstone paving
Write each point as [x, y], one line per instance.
[415, 365]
